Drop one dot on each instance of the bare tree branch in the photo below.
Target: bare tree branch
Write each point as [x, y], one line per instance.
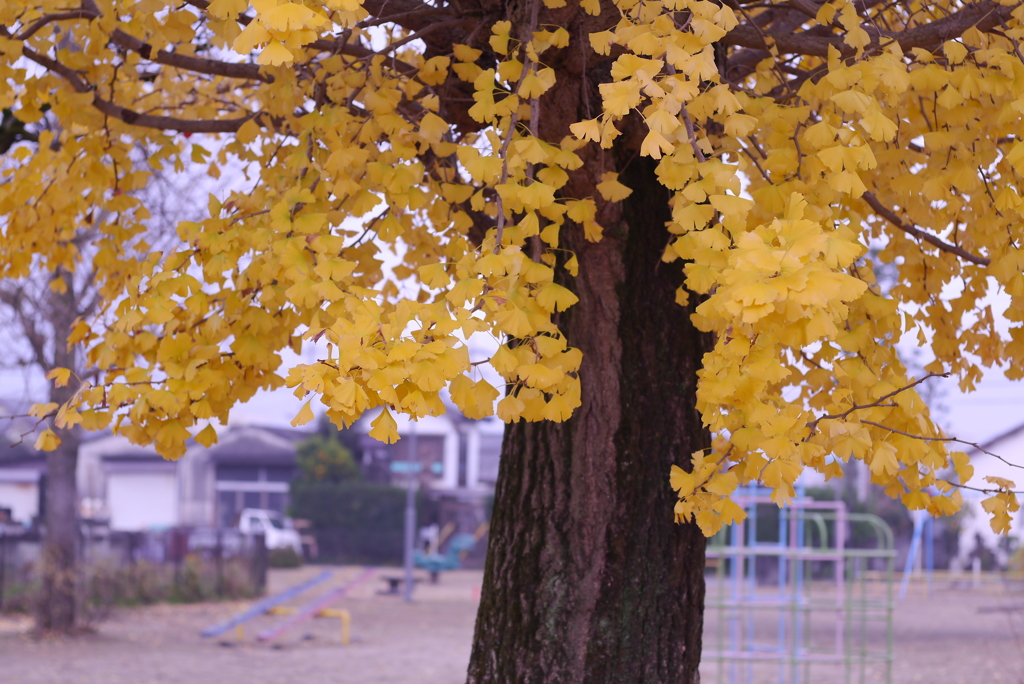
[16, 297]
[51, 18]
[983, 16]
[890, 216]
[952, 440]
[197, 64]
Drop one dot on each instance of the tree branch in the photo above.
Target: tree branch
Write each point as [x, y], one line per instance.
[129, 116]
[200, 65]
[50, 18]
[983, 16]
[197, 64]
[890, 216]
[952, 440]
[875, 404]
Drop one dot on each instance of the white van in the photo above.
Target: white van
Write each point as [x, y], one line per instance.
[276, 529]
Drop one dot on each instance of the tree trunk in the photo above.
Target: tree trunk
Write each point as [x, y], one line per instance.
[56, 610]
[588, 579]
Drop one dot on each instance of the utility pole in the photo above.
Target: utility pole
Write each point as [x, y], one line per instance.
[410, 508]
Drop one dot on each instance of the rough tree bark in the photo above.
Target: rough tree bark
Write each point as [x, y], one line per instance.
[588, 578]
[56, 609]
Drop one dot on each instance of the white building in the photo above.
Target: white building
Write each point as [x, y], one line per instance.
[252, 466]
[22, 469]
[1009, 446]
[21, 486]
[456, 453]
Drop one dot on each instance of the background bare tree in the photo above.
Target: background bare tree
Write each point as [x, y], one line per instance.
[37, 316]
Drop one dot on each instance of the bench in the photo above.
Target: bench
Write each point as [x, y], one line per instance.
[394, 583]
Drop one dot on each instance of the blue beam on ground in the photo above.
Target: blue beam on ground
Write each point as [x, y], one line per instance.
[265, 605]
[314, 607]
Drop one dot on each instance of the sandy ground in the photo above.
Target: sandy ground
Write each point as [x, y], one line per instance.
[942, 639]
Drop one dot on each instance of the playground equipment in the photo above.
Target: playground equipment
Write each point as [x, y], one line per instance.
[262, 607]
[450, 560]
[771, 581]
[316, 608]
[460, 545]
[924, 527]
[319, 608]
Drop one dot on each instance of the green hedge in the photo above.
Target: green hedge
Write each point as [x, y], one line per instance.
[358, 522]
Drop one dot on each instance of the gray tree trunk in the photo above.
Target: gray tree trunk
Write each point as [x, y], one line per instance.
[56, 608]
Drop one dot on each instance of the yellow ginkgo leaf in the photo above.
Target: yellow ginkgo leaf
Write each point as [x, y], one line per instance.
[275, 54]
[47, 441]
[60, 376]
[304, 415]
[207, 436]
[384, 428]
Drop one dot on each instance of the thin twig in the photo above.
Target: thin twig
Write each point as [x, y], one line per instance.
[943, 439]
[813, 425]
[693, 136]
[513, 120]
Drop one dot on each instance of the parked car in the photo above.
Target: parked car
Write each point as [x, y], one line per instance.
[276, 529]
[206, 540]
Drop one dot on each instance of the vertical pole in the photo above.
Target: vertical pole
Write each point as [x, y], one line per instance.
[218, 559]
[915, 545]
[750, 598]
[410, 510]
[929, 551]
[782, 593]
[3, 564]
[260, 562]
[734, 608]
[842, 603]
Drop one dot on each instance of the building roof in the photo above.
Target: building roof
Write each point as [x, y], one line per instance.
[251, 449]
[20, 455]
[995, 441]
[286, 433]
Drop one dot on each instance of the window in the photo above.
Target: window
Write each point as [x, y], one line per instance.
[237, 473]
[244, 486]
[490, 456]
[279, 474]
[227, 508]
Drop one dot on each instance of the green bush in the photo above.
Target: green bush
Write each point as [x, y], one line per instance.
[284, 558]
[358, 522]
[324, 459]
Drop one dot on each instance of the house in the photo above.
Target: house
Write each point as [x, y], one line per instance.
[22, 468]
[22, 481]
[251, 466]
[975, 528]
[458, 459]
[130, 486]
[455, 453]
[134, 488]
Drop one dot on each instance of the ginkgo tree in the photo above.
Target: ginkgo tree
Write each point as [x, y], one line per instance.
[659, 209]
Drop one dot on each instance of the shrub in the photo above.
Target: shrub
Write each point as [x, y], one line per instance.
[284, 558]
[358, 522]
[323, 459]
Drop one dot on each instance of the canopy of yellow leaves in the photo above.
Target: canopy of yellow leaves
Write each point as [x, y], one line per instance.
[834, 136]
